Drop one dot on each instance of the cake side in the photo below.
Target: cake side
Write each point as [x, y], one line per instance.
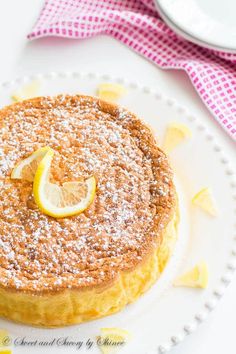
[77, 306]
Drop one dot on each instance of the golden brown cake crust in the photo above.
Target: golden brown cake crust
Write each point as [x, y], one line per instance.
[135, 197]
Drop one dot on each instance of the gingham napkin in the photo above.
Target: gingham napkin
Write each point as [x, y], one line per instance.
[137, 24]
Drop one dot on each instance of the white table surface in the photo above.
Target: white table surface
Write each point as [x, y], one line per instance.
[102, 54]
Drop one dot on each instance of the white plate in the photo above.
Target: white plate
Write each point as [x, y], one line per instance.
[206, 22]
[164, 315]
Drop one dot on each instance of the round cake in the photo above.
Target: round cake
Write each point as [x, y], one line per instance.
[56, 272]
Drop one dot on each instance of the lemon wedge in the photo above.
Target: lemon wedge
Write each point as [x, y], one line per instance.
[26, 168]
[5, 351]
[28, 91]
[111, 92]
[112, 339]
[175, 134]
[204, 200]
[4, 338]
[61, 201]
[197, 277]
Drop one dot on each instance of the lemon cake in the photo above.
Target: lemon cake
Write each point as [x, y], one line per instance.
[57, 271]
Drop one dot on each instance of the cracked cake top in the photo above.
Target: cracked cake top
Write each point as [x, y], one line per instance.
[134, 201]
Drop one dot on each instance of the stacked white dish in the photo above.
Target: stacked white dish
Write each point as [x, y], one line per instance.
[209, 23]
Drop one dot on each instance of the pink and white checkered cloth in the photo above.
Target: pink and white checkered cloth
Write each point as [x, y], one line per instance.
[137, 24]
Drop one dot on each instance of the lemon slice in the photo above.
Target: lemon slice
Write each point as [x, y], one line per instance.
[175, 134]
[204, 200]
[112, 339]
[110, 92]
[26, 168]
[28, 91]
[197, 277]
[5, 351]
[61, 201]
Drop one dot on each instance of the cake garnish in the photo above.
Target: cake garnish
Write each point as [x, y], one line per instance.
[204, 200]
[175, 134]
[197, 277]
[26, 168]
[112, 339]
[71, 198]
[28, 91]
[110, 92]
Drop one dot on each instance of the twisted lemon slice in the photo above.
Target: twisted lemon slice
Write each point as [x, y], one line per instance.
[61, 201]
[26, 168]
[197, 277]
[112, 339]
[110, 92]
[175, 134]
[204, 200]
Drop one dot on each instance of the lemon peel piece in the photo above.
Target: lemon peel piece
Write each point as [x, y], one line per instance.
[204, 200]
[110, 91]
[28, 91]
[175, 134]
[112, 339]
[4, 338]
[197, 277]
[26, 168]
[71, 198]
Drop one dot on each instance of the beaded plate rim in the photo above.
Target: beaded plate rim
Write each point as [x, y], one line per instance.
[230, 266]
